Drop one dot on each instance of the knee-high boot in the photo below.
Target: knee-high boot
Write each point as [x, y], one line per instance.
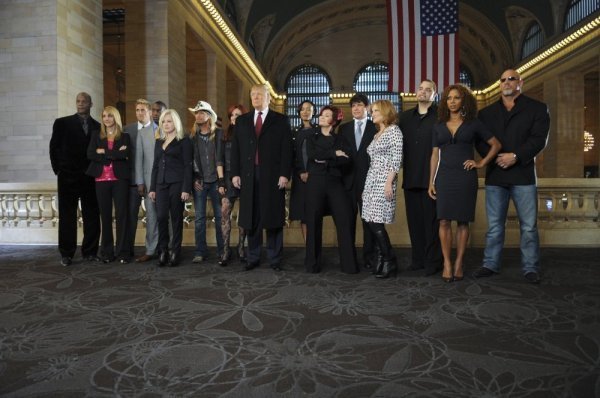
[388, 266]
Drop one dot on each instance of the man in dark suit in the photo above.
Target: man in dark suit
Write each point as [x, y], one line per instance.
[68, 147]
[521, 124]
[144, 125]
[261, 164]
[359, 132]
[421, 216]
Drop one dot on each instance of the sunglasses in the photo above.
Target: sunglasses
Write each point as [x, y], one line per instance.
[510, 79]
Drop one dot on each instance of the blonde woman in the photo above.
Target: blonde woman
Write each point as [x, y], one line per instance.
[379, 195]
[171, 184]
[109, 152]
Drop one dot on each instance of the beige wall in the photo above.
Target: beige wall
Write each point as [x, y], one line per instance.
[49, 51]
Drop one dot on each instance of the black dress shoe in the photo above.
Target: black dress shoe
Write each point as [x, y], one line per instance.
[163, 259]
[66, 261]
[107, 260]
[533, 277]
[276, 267]
[123, 260]
[174, 260]
[92, 258]
[250, 266]
[483, 272]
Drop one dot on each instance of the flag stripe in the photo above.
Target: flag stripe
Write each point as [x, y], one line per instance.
[415, 56]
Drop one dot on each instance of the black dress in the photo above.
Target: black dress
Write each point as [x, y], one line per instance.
[298, 191]
[456, 187]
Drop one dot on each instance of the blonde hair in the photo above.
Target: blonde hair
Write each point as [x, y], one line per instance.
[160, 134]
[212, 127]
[114, 112]
[387, 110]
[142, 101]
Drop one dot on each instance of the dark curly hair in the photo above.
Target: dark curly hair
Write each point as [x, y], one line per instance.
[338, 115]
[469, 103]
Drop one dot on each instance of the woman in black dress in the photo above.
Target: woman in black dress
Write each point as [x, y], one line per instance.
[228, 192]
[328, 153]
[306, 111]
[453, 179]
[171, 184]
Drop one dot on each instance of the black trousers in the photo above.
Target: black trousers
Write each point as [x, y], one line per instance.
[368, 238]
[327, 192]
[71, 189]
[169, 203]
[423, 228]
[109, 193]
[133, 211]
[255, 235]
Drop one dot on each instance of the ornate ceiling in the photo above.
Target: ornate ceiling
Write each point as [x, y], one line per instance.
[342, 36]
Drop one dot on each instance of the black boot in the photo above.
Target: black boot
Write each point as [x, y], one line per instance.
[388, 265]
[378, 266]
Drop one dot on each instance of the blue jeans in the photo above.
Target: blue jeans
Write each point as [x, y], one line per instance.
[208, 190]
[496, 204]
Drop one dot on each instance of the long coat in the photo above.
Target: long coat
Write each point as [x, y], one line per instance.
[275, 155]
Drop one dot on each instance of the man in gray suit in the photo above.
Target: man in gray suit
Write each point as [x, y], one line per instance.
[143, 135]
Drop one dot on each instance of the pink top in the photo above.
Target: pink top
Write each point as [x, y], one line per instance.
[108, 173]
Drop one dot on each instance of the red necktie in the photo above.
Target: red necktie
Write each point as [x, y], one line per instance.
[257, 130]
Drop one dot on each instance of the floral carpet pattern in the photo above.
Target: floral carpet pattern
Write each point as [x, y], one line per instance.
[201, 330]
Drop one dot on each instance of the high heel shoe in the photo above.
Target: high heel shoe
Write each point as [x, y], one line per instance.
[458, 270]
[225, 257]
[447, 279]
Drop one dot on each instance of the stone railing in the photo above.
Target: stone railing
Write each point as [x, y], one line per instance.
[568, 217]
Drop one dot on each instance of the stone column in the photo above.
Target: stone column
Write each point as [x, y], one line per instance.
[563, 156]
[50, 50]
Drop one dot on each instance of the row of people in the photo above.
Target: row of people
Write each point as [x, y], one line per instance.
[338, 174]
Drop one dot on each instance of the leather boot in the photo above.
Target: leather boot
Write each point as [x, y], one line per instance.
[378, 266]
[388, 266]
[388, 269]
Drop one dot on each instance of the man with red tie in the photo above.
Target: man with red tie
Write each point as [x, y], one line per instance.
[261, 164]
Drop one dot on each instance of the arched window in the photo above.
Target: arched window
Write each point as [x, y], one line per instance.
[306, 82]
[372, 80]
[578, 10]
[534, 39]
[465, 76]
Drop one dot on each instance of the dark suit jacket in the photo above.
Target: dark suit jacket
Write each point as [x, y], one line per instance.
[354, 177]
[68, 145]
[321, 148]
[173, 164]
[119, 159]
[523, 131]
[275, 153]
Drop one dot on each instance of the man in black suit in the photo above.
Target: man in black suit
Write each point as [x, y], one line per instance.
[359, 132]
[68, 147]
[421, 216]
[261, 164]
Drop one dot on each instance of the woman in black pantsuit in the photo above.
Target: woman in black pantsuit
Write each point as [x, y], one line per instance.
[108, 152]
[171, 184]
[327, 155]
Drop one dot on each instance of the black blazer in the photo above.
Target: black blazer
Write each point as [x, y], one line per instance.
[354, 178]
[119, 159]
[321, 148]
[68, 145]
[173, 164]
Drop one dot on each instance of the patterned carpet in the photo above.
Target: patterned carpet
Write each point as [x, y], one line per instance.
[205, 331]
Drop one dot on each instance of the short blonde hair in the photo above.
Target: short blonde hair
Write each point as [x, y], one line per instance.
[142, 101]
[114, 112]
[160, 134]
[387, 110]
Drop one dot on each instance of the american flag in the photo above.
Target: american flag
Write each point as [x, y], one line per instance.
[423, 43]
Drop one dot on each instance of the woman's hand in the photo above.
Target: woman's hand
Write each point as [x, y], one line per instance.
[152, 196]
[304, 176]
[388, 191]
[432, 192]
[185, 196]
[340, 153]
[100, 151]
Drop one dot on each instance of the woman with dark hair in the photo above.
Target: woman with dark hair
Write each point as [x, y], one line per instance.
[228, 192]
[306, 111]
[379, 195]
[327, 155]
[109, 154]
[453, 175]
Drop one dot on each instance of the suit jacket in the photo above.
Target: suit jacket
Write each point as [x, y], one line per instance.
[119, 159]
[145, 144]
[321, 148]
[173, 164]
[355, 176]
[275, 154]
[68, 145]
[523, 131]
